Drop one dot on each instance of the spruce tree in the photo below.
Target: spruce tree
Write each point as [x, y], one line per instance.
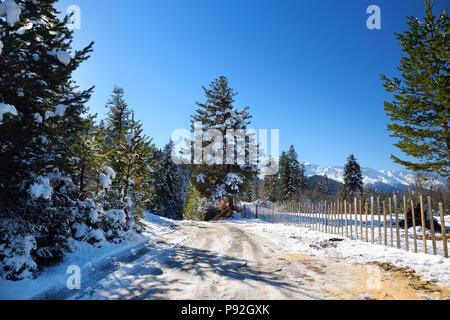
[131, 155]
[170, 184]
[324, 189]
[118, 116]
[223, 179]
[291, 175]
[353, 181]
[35, 78]
[420, 110]
[40, 134]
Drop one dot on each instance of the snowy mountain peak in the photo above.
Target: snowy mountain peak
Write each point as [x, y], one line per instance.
[371, 176]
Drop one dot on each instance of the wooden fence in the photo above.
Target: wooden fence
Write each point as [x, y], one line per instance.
[400, 224]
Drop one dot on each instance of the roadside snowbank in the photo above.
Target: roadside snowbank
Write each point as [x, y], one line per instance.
[87, 257]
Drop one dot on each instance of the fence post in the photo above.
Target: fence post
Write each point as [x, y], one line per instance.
[256, 210]
[443, 231]
[339, 216]
[332, 217]
[397, 229]
[372, 227]
[300, 214]
[319, 208]
[313, 206]
[335, 215]
[351, 219]
[406, 224]
[346, 218]
[385, 222]
[390, 222]
[355, 209]
[433, 237]
[414, 226]
[367, 221]
[273, 213]
[422, 216]
[379, 220]
[361, 218]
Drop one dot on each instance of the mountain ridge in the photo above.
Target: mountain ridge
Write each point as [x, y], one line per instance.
[379, 179]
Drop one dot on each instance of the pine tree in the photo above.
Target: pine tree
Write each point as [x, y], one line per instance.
[353, 181]
[420, 111]
[230, 176]
[44, 103]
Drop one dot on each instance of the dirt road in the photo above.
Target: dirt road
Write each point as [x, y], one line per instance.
[227, 261]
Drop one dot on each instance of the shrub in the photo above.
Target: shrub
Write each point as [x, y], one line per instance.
[198, 207]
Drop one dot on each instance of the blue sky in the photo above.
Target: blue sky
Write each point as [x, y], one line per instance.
[307, 67]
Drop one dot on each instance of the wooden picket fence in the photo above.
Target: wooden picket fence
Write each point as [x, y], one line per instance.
[376, 221]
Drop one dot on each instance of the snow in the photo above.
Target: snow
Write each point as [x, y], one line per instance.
[201, 178]
[91, 259]
[43, 139]
[111, 269]
[82, 230]
[11, 10]
[370, 176]
[49, 114]
[105, 181]
[117, 215]
[60, 110]
[233, 181]
[37, 118]
[433, 268]
[93, 215]
[62, 56]
[107, 178]
[41, 189]
[110, 173]
[18, 261]
[98, 235]
[7, 108]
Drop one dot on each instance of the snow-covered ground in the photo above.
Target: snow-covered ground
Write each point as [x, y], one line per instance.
[235, 259]
[429, 267]
[380, 235]
[95, 261]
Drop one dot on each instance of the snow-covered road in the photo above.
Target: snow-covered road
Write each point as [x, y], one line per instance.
[253, 260]
[238, 259]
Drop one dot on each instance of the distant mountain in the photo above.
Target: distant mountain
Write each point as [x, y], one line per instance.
[382, 180]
